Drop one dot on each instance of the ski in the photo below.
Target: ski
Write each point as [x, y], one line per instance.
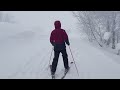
[53, 76]
[65, 74]
[66, 71]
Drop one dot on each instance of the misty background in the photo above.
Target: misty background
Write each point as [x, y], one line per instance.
[45, 19]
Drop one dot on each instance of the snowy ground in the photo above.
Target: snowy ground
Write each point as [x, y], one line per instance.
[26, 54]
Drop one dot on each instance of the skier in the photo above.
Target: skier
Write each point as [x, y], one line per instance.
[58, 39]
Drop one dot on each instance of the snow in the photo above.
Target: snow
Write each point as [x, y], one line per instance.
[25, 53]
[107, 35]
[118, 46]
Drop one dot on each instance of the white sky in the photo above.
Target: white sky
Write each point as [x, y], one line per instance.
[45, 19]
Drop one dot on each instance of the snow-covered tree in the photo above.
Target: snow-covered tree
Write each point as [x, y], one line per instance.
[6, 17]
[1, 16]
[97, 24]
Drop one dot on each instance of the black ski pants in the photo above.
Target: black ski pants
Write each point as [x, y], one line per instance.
[56, 57]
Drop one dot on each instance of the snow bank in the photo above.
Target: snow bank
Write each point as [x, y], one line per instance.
[118, 46]
[107, 35]
[17, 45]
[7, 30]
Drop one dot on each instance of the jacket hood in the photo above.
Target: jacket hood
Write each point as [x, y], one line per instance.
[57, 25]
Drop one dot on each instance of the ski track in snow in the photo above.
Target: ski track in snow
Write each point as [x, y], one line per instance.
[37, 66]
[34, 61]
[34, 66]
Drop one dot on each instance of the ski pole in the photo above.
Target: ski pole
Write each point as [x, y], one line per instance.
[74, 61]
[50, 57]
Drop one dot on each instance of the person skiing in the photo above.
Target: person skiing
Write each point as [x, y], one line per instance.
[59, 39]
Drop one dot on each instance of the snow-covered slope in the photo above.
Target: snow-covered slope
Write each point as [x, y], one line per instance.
[25, 53]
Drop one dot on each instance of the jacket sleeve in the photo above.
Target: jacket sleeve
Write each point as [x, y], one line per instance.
[66, 39]
[52, 39]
